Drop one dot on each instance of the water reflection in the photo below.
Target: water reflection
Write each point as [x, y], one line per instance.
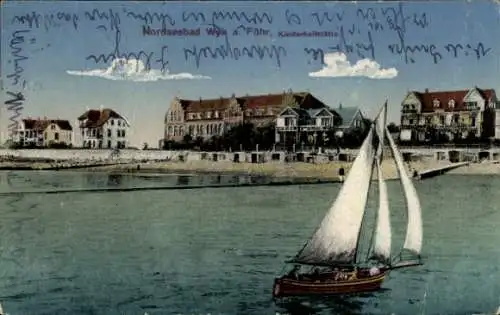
[322, 305]
[115, 180]
[183, 180]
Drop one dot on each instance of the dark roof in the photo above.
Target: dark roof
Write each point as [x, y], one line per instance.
[304, 99]
[427, 99]
[347, 114]
[42, 124]
[97, 118]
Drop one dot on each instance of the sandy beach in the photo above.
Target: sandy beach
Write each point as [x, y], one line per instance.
[325, 171]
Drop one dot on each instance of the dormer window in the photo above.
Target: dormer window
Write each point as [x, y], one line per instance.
[451, 104]
[216, 114]
[435, 103]
[208, 114]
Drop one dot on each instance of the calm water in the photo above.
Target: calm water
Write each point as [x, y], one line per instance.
[216, 251]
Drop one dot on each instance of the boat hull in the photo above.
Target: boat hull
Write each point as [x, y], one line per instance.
[289, 287]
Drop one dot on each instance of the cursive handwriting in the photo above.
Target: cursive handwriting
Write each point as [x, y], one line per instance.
[116, 54]
[16, 46]
[15, 107]
[149, 18]
[360, 38]
[346, 43]
[49, 20]
[113, 18]
[232, 16]
[226, 50]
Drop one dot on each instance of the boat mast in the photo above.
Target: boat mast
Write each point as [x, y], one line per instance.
[374, 125]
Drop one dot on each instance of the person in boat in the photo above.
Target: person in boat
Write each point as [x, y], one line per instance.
[354, 274]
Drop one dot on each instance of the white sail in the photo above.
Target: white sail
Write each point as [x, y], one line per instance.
[382, 241]
[381, 125]
[413, 241]
[381, 249]
[336, 239]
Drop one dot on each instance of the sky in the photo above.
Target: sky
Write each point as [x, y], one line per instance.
[366, 60]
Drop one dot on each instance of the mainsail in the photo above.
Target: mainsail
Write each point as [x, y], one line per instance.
[336, 239]
[382, 241]
[413, 241]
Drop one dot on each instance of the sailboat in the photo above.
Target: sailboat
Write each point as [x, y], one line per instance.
[330, 263]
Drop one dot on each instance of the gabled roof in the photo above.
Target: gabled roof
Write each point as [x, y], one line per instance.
[303, 99]
[42, 124]
[97, 118]
[427, 99]
[347, 115]
[316, 111]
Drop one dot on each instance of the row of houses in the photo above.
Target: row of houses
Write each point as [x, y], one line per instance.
[455, 114]
[294, 115]
[97, 128]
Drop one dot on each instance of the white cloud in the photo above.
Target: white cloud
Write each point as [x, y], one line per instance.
[337, 65]
[134, 70]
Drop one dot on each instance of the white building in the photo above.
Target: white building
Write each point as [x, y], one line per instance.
[43, 132]
[104, 128]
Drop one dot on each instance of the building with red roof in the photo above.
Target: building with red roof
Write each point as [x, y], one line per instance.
[210, 117]
[453, 114]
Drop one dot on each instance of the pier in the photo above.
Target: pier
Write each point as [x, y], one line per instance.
[439, 170]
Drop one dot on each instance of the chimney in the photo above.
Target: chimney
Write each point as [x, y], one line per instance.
[101, 107]
[426, 90]
[340, 105]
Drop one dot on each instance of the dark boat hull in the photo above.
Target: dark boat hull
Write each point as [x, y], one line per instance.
[284, 286]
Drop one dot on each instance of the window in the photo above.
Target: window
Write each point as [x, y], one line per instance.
[216, 114]
[435, 103]
[109, 133]
[119, 122]
[112, 122]
[109, 143]
[56, 136]
[123, 132]
[451, 104]
[52, 127]
[208, 115]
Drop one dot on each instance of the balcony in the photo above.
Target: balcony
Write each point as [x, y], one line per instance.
[287, 128]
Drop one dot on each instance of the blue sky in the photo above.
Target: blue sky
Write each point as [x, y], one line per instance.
[55, 48]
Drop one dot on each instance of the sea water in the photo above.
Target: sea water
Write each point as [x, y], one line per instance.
[217, 251]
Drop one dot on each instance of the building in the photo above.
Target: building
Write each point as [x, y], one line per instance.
[44, 132]
[351, 118]
[103, 129]
[298, 125]
[450, 114]
[212, 117]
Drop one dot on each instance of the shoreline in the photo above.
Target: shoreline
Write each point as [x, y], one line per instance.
[328, 171]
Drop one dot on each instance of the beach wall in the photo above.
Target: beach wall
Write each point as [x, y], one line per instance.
[166, 155]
